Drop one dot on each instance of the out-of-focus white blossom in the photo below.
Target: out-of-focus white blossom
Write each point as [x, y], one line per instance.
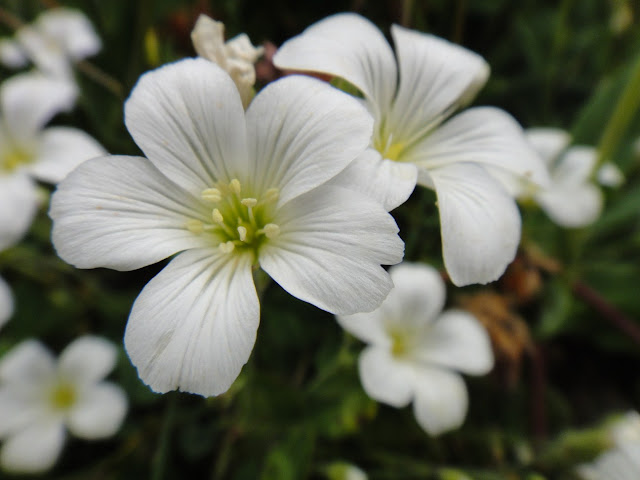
[30, 152]
[237, 56]
[470, 159]
[40, 399]
[6, 302]
[345, 471]
[415, 351]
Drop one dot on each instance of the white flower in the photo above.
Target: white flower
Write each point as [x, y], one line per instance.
[40, 399]
[622, 462]
[572, 199]
[231, 191]
[470, 160]
[28, 151]
[236, 57]
[345, 471]
[6, 302]
[413, 348]
[53, 42]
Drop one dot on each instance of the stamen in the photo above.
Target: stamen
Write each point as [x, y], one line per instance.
[217, 216]
[234, 186]
[272, 195]
[212, 195]
[242, 232]
[249, 202]
[271, 230]
[226, 247]
[195, 226]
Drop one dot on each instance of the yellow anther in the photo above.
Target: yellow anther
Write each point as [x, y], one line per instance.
[212, 195]
[195, 226]
[226, 247]
[272, 195]
[234, 186]
[249, 202]
[271, 230]
[394, 151]
[217, 216]
[242, 233]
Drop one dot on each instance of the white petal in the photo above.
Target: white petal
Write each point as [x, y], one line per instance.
[610, 175]
[6, 302]
[208, 39]
[18, 206]
[575, 167]
[11, 54]
[332, 242]
[20, 406]
[302, 132]
[436, 77]
[348, 46]
[99, 412]
[548, 142]
[46, 53]
[391, 183]
[416, 299]
[28, 362]
[88, 359]
[34, 449]
[61, 150]
[188, 119]
[368, 327]
[441, 400]
[571, 206]
[457, 340]
[121, 213]
[194, 325]
[487, 136]
[30, 100]
[384, 378]
[72, 30]
[480, 223]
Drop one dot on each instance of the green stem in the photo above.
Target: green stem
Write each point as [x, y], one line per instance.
[159, 462]
[407, 8]
[625, 109]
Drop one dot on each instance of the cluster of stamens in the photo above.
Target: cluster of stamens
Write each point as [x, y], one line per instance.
[12, 159]
[238, 221]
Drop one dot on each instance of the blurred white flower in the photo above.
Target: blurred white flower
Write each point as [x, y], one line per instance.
[6, 302]
[622, 461]
[572, 199]
[30, 152]
[415, 350]
[53, 42]
[231, 191]
[345, 471]
[40, 399]
[470, 160]
[237, 56]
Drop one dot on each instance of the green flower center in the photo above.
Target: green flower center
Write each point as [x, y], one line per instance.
[13, 158]
[63, 396]
[400, 343]
[238, 221]
[387, 147]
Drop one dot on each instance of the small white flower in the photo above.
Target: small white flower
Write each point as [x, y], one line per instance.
[471, 160]
[28, 151]
[237, 56]
[572, 199]
[6, 302]
[40, 399]
[53, 42]
[345, 471]
[414, 348]
[231, 191]
[622, 462]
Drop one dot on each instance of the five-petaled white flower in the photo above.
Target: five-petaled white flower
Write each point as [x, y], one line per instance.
[231, 191]
[56, 39]
[572, 199]
[470, 160]
[236, 56]
[622, 461]
[28, 151]
[40, 399]
[413, 348]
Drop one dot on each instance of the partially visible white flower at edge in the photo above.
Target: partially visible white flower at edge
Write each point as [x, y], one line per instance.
[53, 43]
[228, 191]
[572, 199]
[237, 56]
[6, 302]
[345, 471]
[30, 152]
[471, 159]
[40, 399]
[415, 350]
[622, 461]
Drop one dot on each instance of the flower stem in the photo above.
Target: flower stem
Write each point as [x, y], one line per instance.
[626, 107]
[159, 462]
